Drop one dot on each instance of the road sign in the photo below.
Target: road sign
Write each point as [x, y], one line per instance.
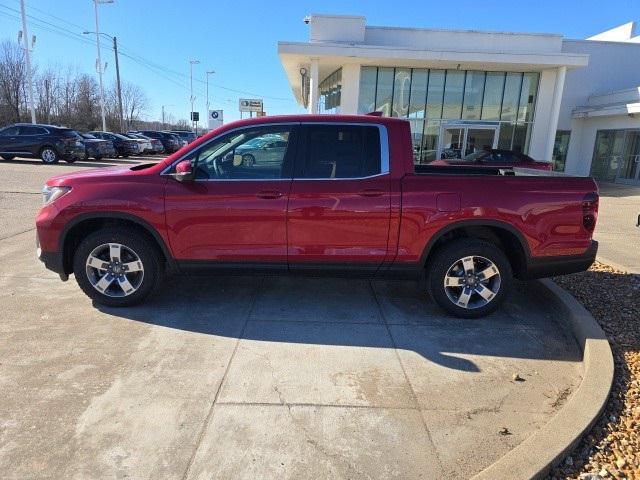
[215, 119]
[250, 104]
[195, 116]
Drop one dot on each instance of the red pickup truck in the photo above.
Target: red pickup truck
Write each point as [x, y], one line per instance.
[315, 194]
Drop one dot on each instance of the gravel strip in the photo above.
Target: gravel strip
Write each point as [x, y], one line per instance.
[612, 448]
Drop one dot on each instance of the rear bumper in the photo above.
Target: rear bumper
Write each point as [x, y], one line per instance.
[542, 267]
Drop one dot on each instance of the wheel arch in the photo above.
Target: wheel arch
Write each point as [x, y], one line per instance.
[502, 234]
[85, 224]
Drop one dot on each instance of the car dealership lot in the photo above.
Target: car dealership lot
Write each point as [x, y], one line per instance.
[245, 377]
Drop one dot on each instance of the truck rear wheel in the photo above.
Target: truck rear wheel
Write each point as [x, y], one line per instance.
[469, 278]
[117, 267]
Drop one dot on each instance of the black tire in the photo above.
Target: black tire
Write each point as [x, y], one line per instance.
[450, 257]
[8, 157]
[49, 155]
[70, 159]
[97, 158]
[125, 156]
[131, 239]
[248, 160]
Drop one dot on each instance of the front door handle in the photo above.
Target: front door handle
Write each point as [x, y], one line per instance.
[371, 192]
[269, 194]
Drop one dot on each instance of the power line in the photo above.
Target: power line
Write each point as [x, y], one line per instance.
[131, 55]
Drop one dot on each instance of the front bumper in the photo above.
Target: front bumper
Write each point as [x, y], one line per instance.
[74, 152]
[542, 267]
[52, 261]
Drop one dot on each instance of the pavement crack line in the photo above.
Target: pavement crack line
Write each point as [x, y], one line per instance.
[209, 416]
[406, 377]
[16, 234]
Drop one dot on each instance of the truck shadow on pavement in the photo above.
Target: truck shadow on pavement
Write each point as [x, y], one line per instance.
[354, 313]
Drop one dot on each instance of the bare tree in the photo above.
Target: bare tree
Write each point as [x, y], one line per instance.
[12, 81]
[47, 85]
[134, 103]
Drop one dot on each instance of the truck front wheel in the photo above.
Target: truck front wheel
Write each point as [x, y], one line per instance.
[117, 267]
[469, 278]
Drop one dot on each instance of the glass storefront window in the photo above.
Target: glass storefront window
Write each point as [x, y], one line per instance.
[473, 93]
[560, 149]
[527, 96]
[417, 127]
[453, 94]
[384, 91]
[435, 93]
[430, 143]
[429, 96]
[492, 100]
[418, 96]
[330, 92]
[511, 96]
[401, 90]
[367, 96]
[505, 138]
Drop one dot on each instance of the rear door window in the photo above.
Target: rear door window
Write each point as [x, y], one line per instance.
[340, 151]
[30, 130]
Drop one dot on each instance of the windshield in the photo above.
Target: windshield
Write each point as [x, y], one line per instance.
[87, 135]
[121, 137]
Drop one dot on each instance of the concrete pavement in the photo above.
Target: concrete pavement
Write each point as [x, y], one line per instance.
[616, 230]
[259, 377]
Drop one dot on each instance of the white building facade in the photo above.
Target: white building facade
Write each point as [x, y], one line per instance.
[575, 102]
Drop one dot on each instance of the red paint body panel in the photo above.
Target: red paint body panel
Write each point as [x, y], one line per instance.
[383, 220]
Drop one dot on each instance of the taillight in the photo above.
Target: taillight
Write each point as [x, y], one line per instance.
[590, 211]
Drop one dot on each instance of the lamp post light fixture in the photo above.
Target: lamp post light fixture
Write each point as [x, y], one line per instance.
[100, 68]
[192, 62]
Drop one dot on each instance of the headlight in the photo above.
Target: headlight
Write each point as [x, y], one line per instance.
[50, 194]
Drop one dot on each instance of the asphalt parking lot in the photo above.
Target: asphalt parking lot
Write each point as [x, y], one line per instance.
[259, 377]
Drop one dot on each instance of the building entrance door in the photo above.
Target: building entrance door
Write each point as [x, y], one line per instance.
[459, 139]
[629, 170]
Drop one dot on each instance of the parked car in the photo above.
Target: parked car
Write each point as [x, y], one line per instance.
[47, 142]
[97, 148]
[262, 150]
[345, 197]
[170, 142]
[143, 143]
[493, 158]
[155, 144]
[186, 135]
[124, 146]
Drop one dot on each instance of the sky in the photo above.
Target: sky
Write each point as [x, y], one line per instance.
[238, 39]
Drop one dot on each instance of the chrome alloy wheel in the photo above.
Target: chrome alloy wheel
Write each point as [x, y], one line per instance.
[48, 155]
[114, 270]
[472, 282]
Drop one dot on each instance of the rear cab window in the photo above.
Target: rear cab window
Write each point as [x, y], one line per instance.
[339, 151]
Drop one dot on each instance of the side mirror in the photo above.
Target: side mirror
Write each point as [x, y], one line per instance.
[184, 172]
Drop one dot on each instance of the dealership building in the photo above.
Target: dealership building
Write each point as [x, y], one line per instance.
[575, 102]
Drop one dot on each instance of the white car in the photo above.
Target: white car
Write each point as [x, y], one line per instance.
[143, 142]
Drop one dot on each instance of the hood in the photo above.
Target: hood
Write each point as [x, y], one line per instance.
[88, 175]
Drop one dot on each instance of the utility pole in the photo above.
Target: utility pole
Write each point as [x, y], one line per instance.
[191, 64]
[115, 49]
[25, 38]
[95, 4]
[210, 72]
[163, 122]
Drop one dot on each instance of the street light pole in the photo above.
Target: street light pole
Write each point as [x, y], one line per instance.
[104, 122]
[191, 64]
[119, 90]
[163, 122]
[25, 38]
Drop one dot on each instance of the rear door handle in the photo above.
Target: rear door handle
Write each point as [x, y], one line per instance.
[371, 192]
[269, 194]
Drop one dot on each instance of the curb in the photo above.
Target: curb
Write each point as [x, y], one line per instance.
[534, 457]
